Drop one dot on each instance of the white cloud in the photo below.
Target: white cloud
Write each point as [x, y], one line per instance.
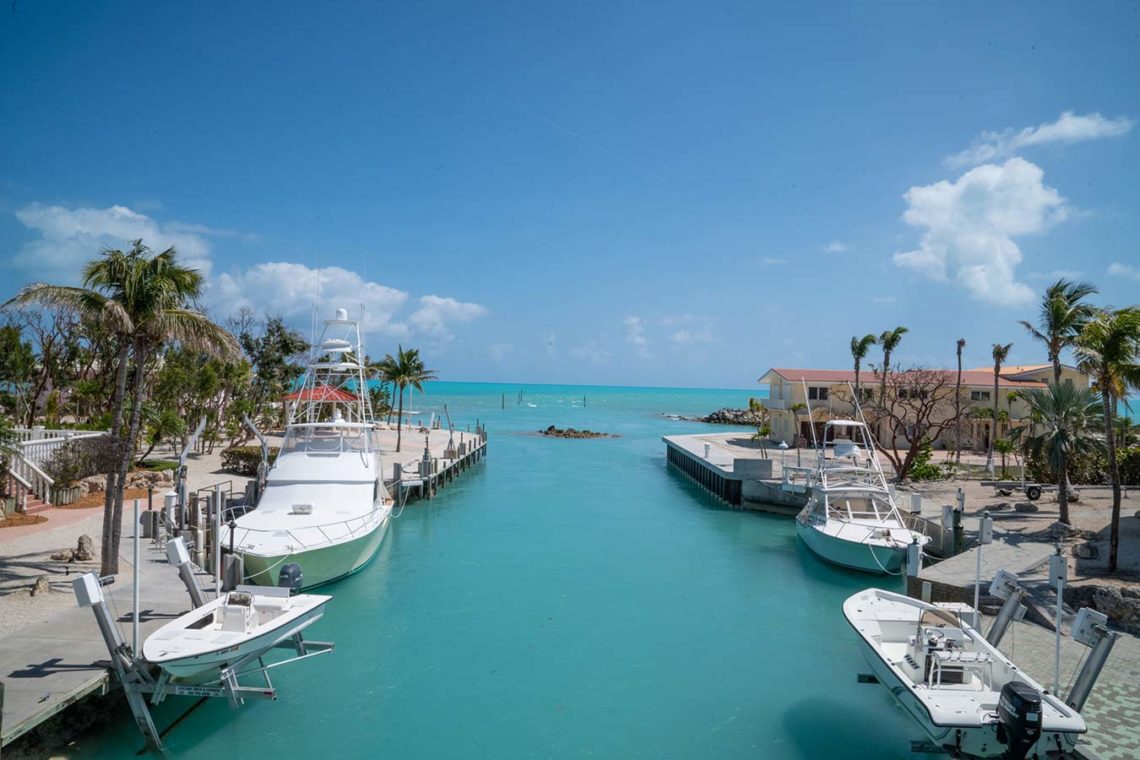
[1123, 270]
[290, 290]
[835, 246]
[436, 312]
[969, 225]
[883, 299]
[635, 335]
[687, 337]
[499, 351]
[70, 237]
[1069, 128]
[591, 352]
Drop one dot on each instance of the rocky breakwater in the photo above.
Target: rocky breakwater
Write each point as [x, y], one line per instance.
[725, 416]
[556, 432]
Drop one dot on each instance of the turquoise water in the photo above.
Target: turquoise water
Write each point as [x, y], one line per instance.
[568, 598]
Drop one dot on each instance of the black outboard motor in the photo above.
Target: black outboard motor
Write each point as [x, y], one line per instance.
[1020, 711]
[290, 577]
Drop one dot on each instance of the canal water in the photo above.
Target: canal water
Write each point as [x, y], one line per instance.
[568, 598]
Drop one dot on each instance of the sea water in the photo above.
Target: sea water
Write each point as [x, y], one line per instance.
[568, 598]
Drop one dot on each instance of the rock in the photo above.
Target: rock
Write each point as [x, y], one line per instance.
[1085, 551]
[1124, 611]
[41, 586]
[85, 551]
[67, 555]
[728, 416]
[1129, 592]
[999, 506]
[555, 432]
[1060, 530]
[1025, 506]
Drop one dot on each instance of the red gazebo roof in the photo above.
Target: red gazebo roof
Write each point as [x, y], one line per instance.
[320, 393]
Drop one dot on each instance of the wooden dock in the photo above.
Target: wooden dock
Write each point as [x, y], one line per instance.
[423, 477]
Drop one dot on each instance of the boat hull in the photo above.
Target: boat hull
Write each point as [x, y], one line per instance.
[853, 555]
[208, 665]
[319, 566]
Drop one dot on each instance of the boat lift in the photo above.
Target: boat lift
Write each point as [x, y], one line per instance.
[136, 676]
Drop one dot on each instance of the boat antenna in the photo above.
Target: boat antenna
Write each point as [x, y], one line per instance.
[811, 417]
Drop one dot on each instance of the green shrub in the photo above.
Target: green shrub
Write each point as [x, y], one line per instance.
[243, 460]
[80, 459]
[157, 465]
[921, 468]
[1089, 469]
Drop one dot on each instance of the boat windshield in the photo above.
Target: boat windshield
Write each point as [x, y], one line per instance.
[332, 438]
[859, 506]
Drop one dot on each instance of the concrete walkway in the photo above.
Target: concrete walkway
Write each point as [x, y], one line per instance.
[48, 666]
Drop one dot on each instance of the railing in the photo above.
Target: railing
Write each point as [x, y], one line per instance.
[40, 445]
[31, 477]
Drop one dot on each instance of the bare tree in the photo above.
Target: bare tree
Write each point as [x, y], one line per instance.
[916, 405]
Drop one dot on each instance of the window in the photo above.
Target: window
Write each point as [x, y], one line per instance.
[979, 395]
[817, 393]
[914, 393]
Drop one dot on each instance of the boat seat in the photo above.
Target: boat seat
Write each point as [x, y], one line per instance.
[235, 618]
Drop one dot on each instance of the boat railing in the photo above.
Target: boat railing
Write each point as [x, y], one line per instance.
[357, 526]
[796, 479]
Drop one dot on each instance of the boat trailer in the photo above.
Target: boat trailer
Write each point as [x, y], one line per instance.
[135, 673]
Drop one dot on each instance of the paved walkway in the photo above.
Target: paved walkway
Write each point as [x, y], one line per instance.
[1113, 710]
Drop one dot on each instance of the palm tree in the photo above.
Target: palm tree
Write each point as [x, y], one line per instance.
[958, 405]
[141, 297]
[1108, 350]
[1063, 314]
[889, 340]
[404, 369]
[859, 349]
[1070, 423]
[1000, 353]
[1004, 447]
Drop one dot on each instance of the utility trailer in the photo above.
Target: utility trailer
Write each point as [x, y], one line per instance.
[1033, 491]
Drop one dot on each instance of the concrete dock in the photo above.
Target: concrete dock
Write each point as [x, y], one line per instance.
[740, 472]
[47, 667]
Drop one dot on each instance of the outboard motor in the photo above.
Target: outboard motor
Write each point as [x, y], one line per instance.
[1020, 711]
[290, 577]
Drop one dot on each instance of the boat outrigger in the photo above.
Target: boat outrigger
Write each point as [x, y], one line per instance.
[851, 518]
[325, 505]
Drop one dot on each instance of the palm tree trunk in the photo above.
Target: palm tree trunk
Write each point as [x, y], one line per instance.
[1056, 359]
[993, 434]
[857, 399]
[1114, 472]
[127, 452]
[958, 411]
[109, 562]
[400, 420]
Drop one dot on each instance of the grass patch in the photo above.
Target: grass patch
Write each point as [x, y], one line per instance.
[19, 520]
[157, 465]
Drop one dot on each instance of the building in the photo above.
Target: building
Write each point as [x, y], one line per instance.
[828, 394]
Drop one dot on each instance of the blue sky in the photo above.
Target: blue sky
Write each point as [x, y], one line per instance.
[651, 193]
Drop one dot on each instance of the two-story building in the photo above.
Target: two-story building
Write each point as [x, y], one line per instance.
[827, 393]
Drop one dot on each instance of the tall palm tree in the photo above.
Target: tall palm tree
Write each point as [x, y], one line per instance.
[889, 341]
[1000, 353]
[1108, 350]
[404, 369]
[1069, 423]
[142, 297]
[958, 405]
[859, 349]
[1063, 314]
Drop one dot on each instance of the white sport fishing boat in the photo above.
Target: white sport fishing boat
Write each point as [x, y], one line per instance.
[851, 518]
[324, 506]
[233, 628]
[969, 698]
